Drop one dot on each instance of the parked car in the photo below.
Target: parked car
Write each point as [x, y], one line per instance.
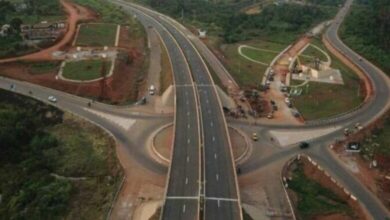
[304, 145]
[52, 99]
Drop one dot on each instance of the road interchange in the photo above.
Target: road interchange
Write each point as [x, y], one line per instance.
[193, 79]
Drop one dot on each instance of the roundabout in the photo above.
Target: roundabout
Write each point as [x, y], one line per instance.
[162, 141]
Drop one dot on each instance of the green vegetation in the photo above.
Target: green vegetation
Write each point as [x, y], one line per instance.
[259, 55]
[366, 30]
[310, 53]
[97, 35]
[280, 23]
[86, 69]
[379, 142]
[325, 100]
[314, 199]
[245, 72]
[48, 171]
[109, 13]
[43, 67]
[17, 13]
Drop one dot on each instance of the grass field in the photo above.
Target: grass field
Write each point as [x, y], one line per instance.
[326, 100]
[312, 52]
[86, 69]
[245, 72]
[259, 55]
[97, 35]
[313, 199]
[43, 67]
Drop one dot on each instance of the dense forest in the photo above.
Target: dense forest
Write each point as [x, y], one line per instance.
[38, 151]
[232, 25]
[366, 30]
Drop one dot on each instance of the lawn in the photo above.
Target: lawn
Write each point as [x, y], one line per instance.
[97, 35]
[314, 199]
[259, 55]
[312, 52]
[325, 100]
[245, 72]
[43, 67]
[86, 69]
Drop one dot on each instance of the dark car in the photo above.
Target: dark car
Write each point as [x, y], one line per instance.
[304, 145]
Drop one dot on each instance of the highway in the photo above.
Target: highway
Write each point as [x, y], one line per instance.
[220, 188]
[183, 186]
[202, 172]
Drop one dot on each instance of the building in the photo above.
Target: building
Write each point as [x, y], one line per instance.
[4, 30]
[42, 31]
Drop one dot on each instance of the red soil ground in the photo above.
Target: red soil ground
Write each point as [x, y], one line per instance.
[125, 83]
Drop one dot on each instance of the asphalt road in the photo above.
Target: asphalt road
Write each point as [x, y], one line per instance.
[220, 182]
[183, 187]
[200, 132]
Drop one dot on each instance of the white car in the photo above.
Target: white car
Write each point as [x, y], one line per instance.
[152, 90]
[52, 99]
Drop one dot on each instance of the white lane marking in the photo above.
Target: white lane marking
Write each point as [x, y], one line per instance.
[188, 159]
[183, 197]
[215, 156]
[187, 102]
[186, 180]
[207, 101]
[213, 138]
[188, 126]
[219, 203]
[211, 124]
[217, 176]
[188, 113]
[123, 122]
[184, 208]
[221, 199]
[188, 141]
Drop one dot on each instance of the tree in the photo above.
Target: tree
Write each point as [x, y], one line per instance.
[15, 24]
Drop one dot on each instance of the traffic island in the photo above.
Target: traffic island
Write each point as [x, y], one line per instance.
[162, 143]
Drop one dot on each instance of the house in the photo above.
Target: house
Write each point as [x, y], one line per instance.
[42, 31]
[4, 30]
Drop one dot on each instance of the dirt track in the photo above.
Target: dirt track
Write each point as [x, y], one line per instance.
[75, 13]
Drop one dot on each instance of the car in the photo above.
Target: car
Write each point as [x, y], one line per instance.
[254, 136]
[52, 99]
[304, 145]
[347, 131]
[152, 90]
[270, 116]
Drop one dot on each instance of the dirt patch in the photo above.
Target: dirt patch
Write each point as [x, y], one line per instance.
[119, 88]
[377, 180]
